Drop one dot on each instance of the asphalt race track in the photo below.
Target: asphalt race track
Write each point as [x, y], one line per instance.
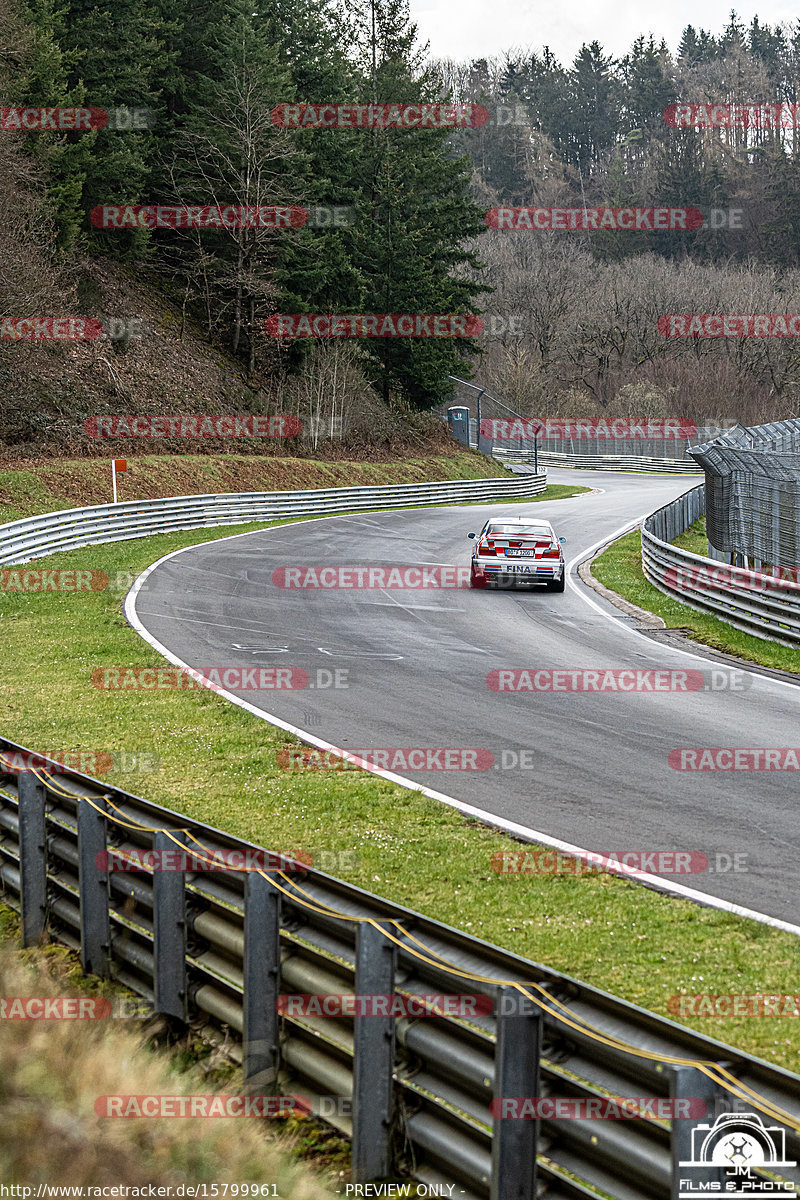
[417, 662]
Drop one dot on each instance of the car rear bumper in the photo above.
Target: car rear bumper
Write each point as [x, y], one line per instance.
[523, 573]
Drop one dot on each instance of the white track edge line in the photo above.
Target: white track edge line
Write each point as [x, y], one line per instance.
[582, 590]
[522, 831]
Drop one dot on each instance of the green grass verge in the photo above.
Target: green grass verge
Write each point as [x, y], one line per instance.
[554, 491]
[620, 568]
[218, 764]
[694, 539]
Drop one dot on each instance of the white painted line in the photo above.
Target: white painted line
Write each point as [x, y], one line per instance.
[580, 589]
[521, 831]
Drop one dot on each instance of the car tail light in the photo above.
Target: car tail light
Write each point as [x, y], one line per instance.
[485, 548]
[552, 552]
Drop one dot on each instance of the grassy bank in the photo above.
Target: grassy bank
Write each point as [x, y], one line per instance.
[44, 485]
[620, 568]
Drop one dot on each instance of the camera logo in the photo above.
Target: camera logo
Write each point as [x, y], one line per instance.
[737, 1142]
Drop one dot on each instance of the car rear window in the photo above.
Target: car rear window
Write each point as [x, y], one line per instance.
[509, 530]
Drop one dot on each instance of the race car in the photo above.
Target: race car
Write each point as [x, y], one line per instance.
[512, 550]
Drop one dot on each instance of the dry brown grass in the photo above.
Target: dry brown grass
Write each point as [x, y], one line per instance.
[53, 1072]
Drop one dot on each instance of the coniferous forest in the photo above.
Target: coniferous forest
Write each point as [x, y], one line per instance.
[396, 216]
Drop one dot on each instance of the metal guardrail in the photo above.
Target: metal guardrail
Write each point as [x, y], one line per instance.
[32, 537]
[600, 462]
[749, 600]
[413, 1094]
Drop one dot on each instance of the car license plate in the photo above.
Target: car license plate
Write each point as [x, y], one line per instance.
[520, 553]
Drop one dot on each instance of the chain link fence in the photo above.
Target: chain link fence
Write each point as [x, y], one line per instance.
[578, 442]
[752, 480]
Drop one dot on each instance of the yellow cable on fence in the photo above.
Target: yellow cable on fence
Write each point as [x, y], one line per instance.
[548, 1003]
[718, 1074]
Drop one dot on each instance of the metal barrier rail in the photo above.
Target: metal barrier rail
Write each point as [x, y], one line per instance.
[413, 1094]
[600, 462]
[21, 541]
[755, 603]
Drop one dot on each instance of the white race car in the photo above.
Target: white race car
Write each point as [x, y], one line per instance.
[511, 550]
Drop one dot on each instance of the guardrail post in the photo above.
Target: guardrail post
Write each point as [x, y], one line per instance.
[169, 931]
[373, 1051]
[93, 886]
[516, 1073]
[262, 962]
[688, 1083]
[32, 857]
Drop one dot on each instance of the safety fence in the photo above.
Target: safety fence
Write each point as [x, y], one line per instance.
[421, 1096]
[597, 462]
[753, 492]
[32, 537]
[767, 606]
[597, 454]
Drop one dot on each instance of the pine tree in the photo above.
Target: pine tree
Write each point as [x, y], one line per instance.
[411, 253]
[317, 272]
[734, 35]
[594, 106]
[45, 80]
[689, 47]
[118, 54]
[782, 232]
[649, 88]
[230, 152]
